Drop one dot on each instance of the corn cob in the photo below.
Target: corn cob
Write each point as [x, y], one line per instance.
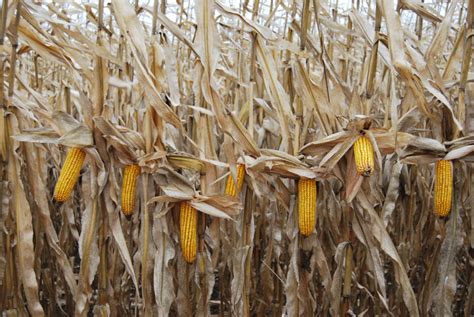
[230, 188]
[188, 231]
[129, 186]
[364, 156]
[443, 190]
[69, 174]
[306, 205]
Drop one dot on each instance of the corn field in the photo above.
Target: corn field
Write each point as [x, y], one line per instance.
[237, 158]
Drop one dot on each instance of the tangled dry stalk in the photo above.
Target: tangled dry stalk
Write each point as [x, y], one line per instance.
[189, 94]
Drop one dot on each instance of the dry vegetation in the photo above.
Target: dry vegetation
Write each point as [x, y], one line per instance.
[176, 100]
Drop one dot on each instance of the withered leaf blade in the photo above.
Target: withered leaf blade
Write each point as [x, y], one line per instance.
[186, 161]
[80, 136]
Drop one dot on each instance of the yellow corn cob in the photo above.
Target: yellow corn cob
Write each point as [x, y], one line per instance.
[306, 205]
[443, 190]
[69, 174]
[364, 156]
[188, 231]
[129, 186]
[230, 188]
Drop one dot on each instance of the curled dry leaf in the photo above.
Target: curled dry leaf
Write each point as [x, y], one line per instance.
[186, 161]
[217, 206]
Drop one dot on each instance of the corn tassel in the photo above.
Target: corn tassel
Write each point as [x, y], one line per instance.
[69, 174]
[129, 186]
[364, 156]
[188, 231]
[443, 190]
[306, 205]
[230, 188]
